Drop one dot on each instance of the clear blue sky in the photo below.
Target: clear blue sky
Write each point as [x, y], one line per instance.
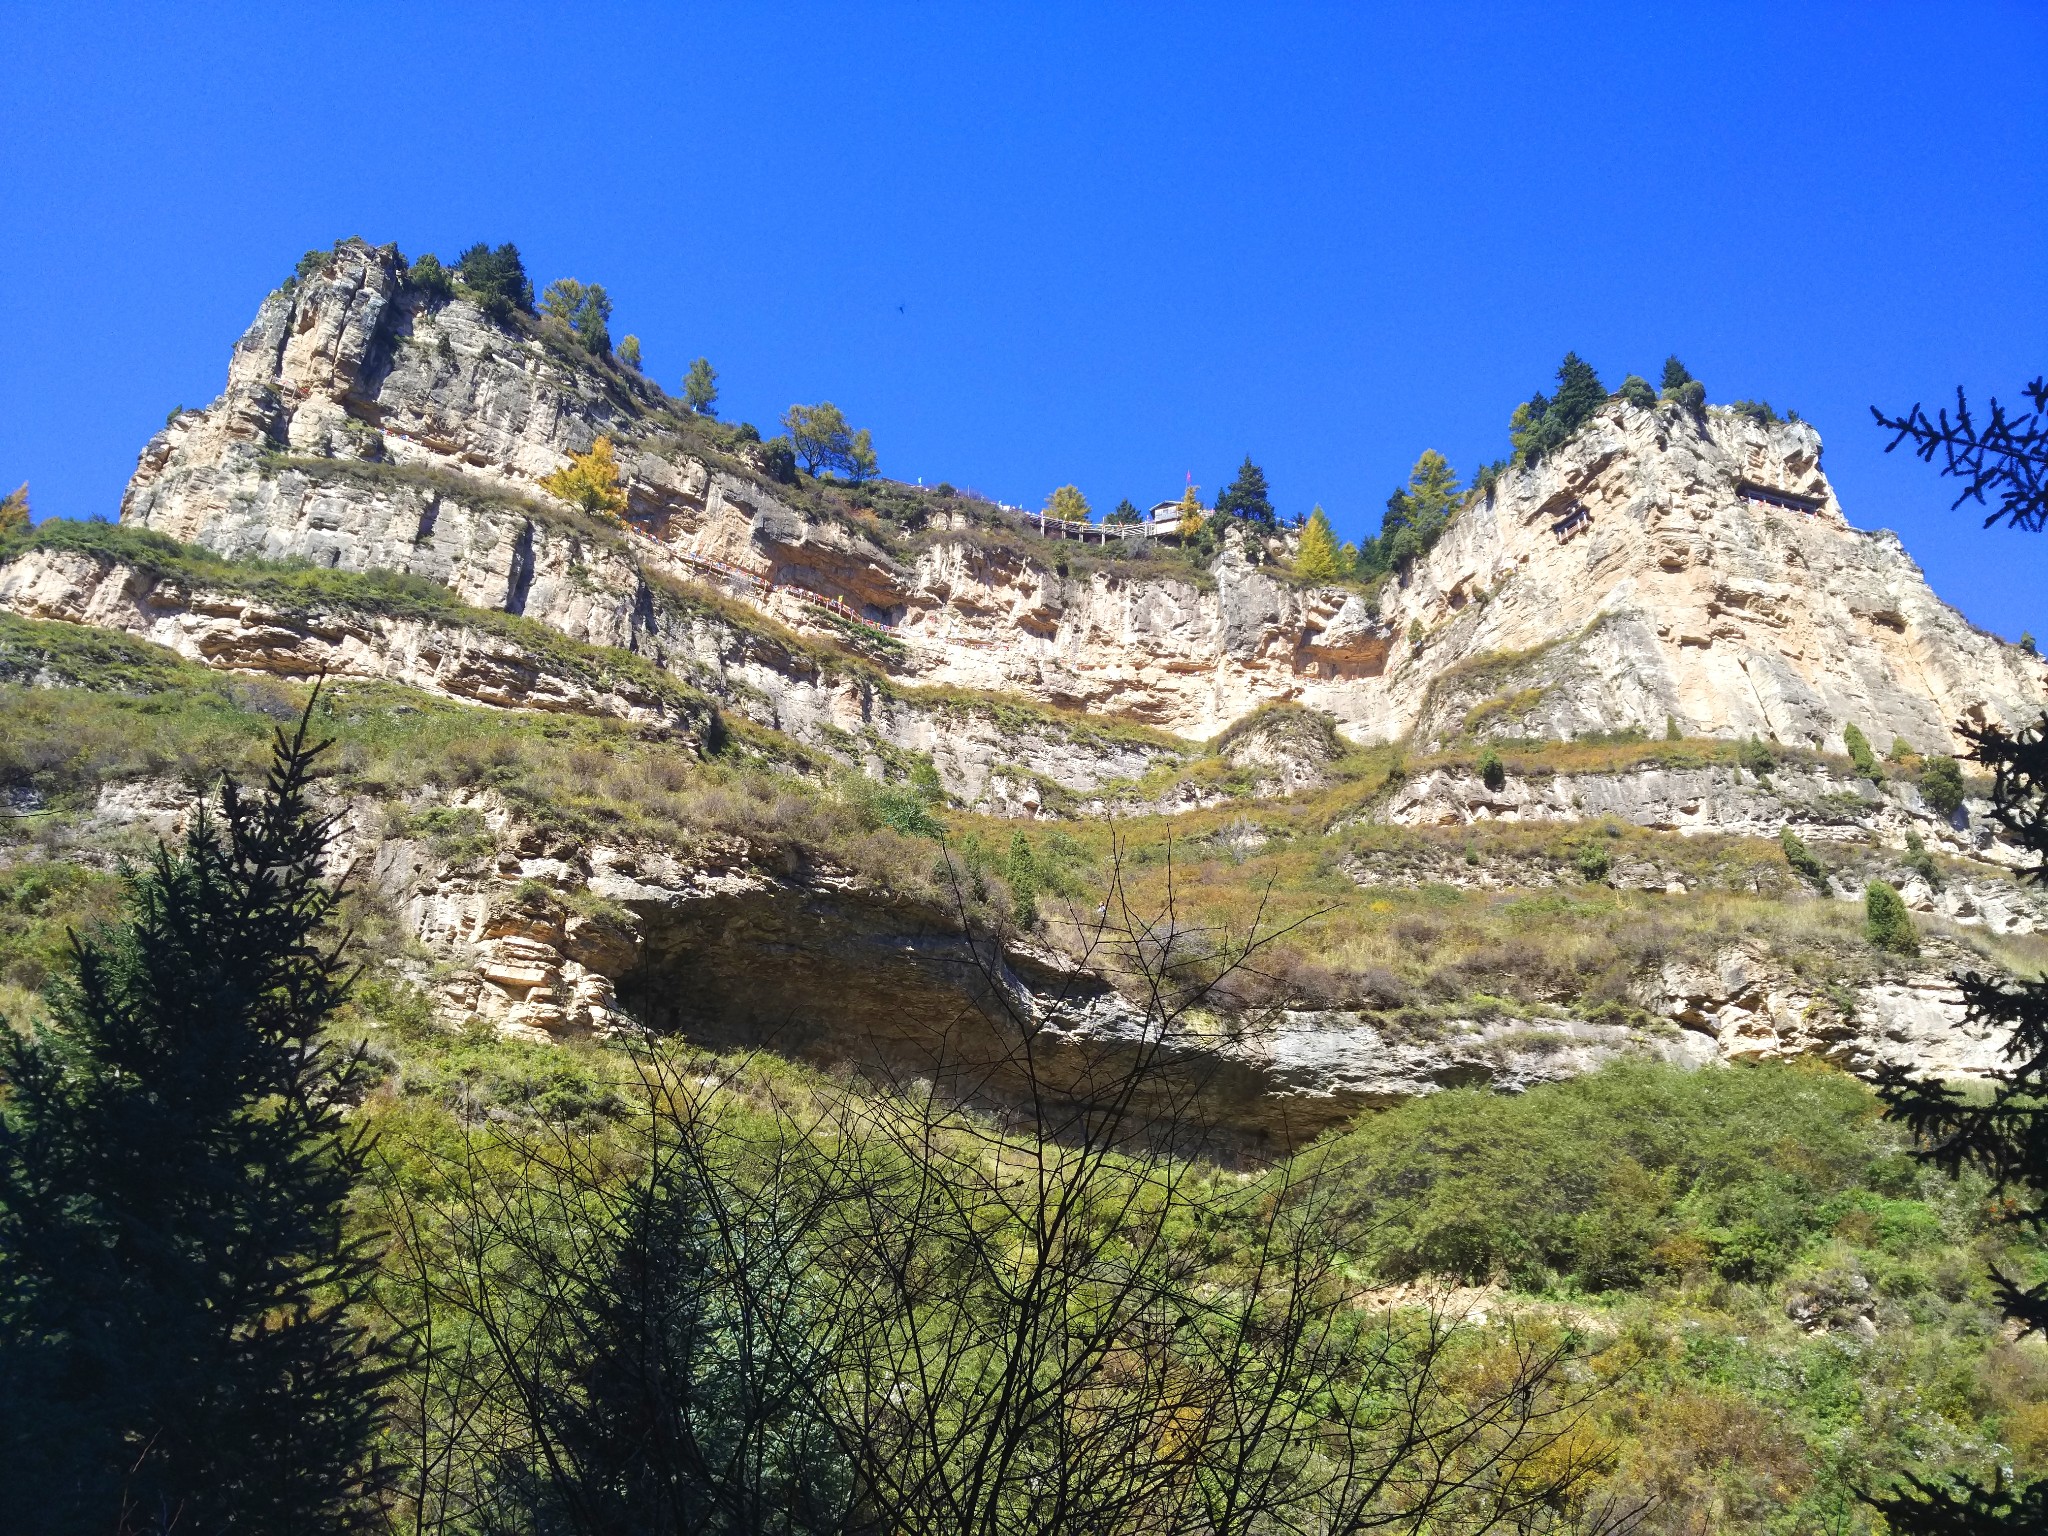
[1105, 244]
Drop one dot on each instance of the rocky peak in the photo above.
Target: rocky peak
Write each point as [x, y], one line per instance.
[1664, 568]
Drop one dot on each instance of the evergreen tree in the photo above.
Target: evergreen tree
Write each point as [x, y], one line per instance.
[1541, 424]
[174, 1161]
[1887, 924]
[585, 308]
[1318, 558]
[1861, 758]
[1125, 511]
[1675, 378]
[1246, 497]
[1941, 786]
[2006, 1135]
[495, 279]
[629, 352]
[684, 1382]
[700, 388]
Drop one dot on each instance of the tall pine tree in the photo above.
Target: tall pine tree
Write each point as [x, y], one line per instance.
[684, 1375]
[1247, 497]
[175, 1279]
[2005, 1136]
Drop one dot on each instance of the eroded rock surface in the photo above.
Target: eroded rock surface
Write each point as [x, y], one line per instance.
[1629, 579]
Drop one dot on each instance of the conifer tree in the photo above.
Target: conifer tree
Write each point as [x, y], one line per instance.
[700, 388]
[1068, 504]
[174, 1160]
[1318, 558]
[681, 1391]
[1246, 497]
[2006, 1134]
[1675, 377]
[590, 481]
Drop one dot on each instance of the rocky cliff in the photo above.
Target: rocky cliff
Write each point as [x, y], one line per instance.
[364, 502]
[1662, 567]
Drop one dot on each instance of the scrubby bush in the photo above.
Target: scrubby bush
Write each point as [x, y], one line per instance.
[777, 458]
[1758, 411]
[429, 279]
[1802, 862]
[1492, 773]
[1941, 786]
[1886, 922]
[1637, 392]
[1637, 1172]
[1593, 861]
[1857, 745]
[1920, 861]
[14, 516]
[1756, 757]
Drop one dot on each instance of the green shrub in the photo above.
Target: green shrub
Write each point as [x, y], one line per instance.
[1858, 747]
[1491, 770]
[1941, 786]
[1758, 411]
[1886, 922]
[1756, 757]
[1671, 731]
[429, 279]
[1610, 1180]
[1593, 861]
[1801, 859]
[1636, 391]
[1920, 861]
[1021, 870]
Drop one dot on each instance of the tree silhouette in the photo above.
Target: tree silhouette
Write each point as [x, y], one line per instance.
[2005, 1136]
[175, 1281]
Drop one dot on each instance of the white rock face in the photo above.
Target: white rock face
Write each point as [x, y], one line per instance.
[364, 428]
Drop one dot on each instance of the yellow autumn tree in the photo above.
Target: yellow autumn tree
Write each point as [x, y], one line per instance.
[14, 511]
[590, 481]
[1318, 558]
[1190, 513]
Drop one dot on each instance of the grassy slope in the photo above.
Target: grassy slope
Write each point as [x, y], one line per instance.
[1673, 1218]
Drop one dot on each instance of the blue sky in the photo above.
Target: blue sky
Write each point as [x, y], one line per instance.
[1112, 245]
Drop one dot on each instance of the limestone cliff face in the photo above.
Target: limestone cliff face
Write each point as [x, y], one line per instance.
[1661, 566]
[1667, 566]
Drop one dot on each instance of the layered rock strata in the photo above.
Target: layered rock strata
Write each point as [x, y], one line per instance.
[1663, 566]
